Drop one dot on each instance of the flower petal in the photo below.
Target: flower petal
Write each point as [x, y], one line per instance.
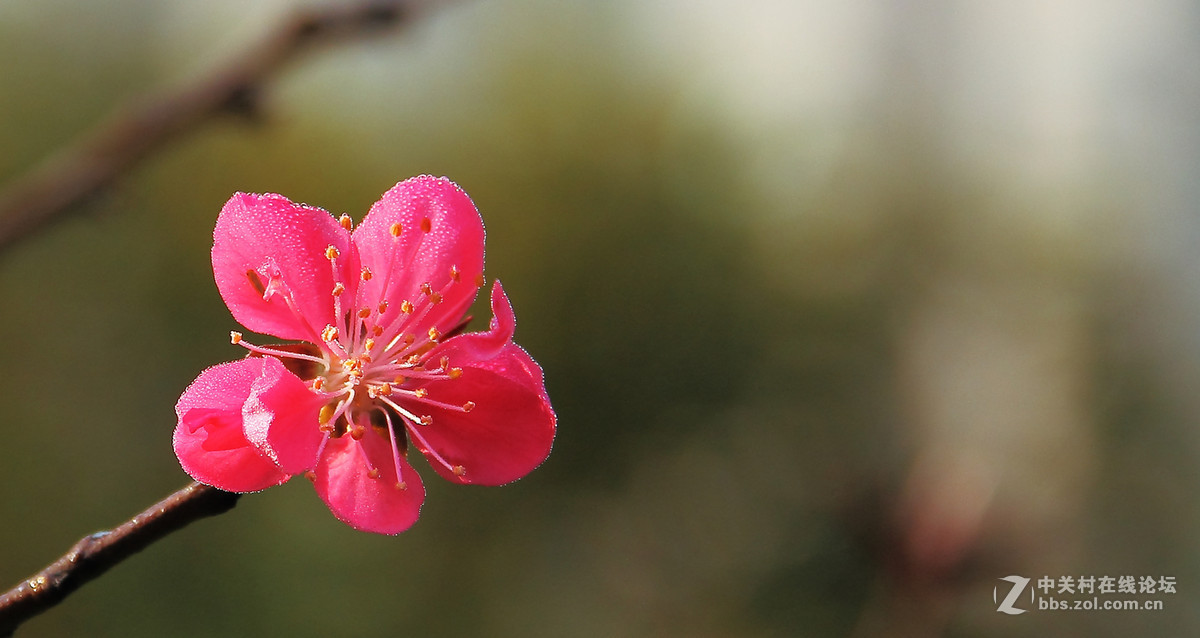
[265, 244]
[364, 503]
[473, 348]
[280, 417]
[209, 438]
[508, 431]
[440, 232]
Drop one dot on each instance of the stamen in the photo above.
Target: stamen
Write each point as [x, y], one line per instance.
[329, 334]
[458, 470]
[372, 471]
[331, 253]
[454, 373]
[382, 307]
[338, 289]
[417, 396]
[391, 428]
[366, 274]
[426, 225]
[434, 334]
[236, 338]
[346, 222]
[363, 313]
[395, 229]
[454, 273]
[318, 383]
[406, 307]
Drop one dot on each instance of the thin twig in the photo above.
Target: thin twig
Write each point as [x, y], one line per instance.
[95, 554]
[117, 144]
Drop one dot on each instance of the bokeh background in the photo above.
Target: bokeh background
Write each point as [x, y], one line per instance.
[847, 309]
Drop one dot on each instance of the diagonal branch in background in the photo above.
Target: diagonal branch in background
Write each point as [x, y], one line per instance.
[95, 554]
[58, 186]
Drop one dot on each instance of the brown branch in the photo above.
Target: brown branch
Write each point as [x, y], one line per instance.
[117, 144]
[95, 554]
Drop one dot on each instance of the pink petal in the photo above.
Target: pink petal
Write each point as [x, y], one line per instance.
[364, 503]
[507, 433]
[280, 417]
[209, 439]
[266, 241]
[474, 347]
[400, 265]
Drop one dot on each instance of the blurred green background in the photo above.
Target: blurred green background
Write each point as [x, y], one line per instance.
[847, 309]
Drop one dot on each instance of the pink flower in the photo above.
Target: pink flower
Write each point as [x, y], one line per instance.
[379, 364]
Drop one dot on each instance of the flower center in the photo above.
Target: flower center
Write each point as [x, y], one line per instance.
[372, 367]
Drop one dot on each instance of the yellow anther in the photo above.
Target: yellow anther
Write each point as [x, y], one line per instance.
[468, 406]
[435, 298]
[373, 473]
[330, 333]
[421, 393]
[366, 274]
[384, 389]
[426, 225]
[402, 486]
[326, 413]
[346, 222]
[357, 432]
[331, 253]
[427, 420]
[445, 361]
[427, 288]
[399, 380]
[459, 470]
[369, 344]
[454, 373]
[413, 359]
[395, 229]
[382, 307]
[338, 289]
[434, 335]
[235, 337]
[406, 307]
[318, 383]
[454, 273]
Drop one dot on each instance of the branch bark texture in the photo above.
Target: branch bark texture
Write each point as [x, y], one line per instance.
[57, 186]
[95, 554]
